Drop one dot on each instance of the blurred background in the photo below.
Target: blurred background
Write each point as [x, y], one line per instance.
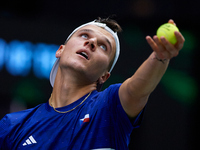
[31, 32]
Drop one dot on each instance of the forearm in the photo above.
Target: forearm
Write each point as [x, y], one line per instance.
[147, 77]
[134, 92]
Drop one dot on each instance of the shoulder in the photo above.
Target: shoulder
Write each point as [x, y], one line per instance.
[114, 86]
[110, 93]
[108, 97]
[16, 118]
[11, 123]
[112, 90]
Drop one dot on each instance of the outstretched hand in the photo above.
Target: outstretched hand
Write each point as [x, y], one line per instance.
[163, 48]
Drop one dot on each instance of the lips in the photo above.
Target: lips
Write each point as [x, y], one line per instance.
[83, 53]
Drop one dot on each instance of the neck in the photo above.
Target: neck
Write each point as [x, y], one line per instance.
[67, 90]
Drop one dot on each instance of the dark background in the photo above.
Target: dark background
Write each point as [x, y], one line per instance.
[171, 117]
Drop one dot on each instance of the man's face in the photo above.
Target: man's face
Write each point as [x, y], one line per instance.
[89, 51]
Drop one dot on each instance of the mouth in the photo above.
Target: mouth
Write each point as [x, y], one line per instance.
[84, 54]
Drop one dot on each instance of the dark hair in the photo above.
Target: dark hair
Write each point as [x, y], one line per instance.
[112, 24]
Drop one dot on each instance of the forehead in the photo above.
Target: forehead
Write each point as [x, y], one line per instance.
[98, 31]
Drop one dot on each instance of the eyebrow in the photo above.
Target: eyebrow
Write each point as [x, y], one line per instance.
[91, 31]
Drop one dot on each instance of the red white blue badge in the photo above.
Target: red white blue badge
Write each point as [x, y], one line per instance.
[85, 119]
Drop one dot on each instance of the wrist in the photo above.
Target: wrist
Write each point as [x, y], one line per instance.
[161, 60]
[158, 59]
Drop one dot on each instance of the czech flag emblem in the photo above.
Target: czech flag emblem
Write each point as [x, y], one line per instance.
[85, 119]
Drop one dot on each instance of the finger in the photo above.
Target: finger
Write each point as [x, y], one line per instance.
[170, 48]
[158, 43]
[166, 49]
[154, 46]
[151, 43]
[163, 48]
[172, 22]
[180, 40]
[161, 51]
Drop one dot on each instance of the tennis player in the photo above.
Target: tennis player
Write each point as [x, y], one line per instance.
[78, 115]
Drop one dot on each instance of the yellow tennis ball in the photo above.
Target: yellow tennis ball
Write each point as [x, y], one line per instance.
[167, 30]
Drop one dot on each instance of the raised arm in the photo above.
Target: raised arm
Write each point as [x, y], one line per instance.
[134, 92]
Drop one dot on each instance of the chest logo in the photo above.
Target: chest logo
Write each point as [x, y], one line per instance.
[85, 119]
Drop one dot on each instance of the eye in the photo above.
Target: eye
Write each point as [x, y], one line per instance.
[103, 47]
[85, 36]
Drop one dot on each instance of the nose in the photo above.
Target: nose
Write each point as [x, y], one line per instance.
[91, 43]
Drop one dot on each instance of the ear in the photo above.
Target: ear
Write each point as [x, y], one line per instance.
[103, 78]
[59, 51]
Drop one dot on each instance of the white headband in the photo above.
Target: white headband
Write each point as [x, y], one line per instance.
[102, 25]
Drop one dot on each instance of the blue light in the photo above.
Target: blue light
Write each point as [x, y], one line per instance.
[18, 59]
[44, 58]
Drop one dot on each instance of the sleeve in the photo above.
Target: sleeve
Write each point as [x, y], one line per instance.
[120, 113]
[4, 130]
[136, 122]
[121, 123]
